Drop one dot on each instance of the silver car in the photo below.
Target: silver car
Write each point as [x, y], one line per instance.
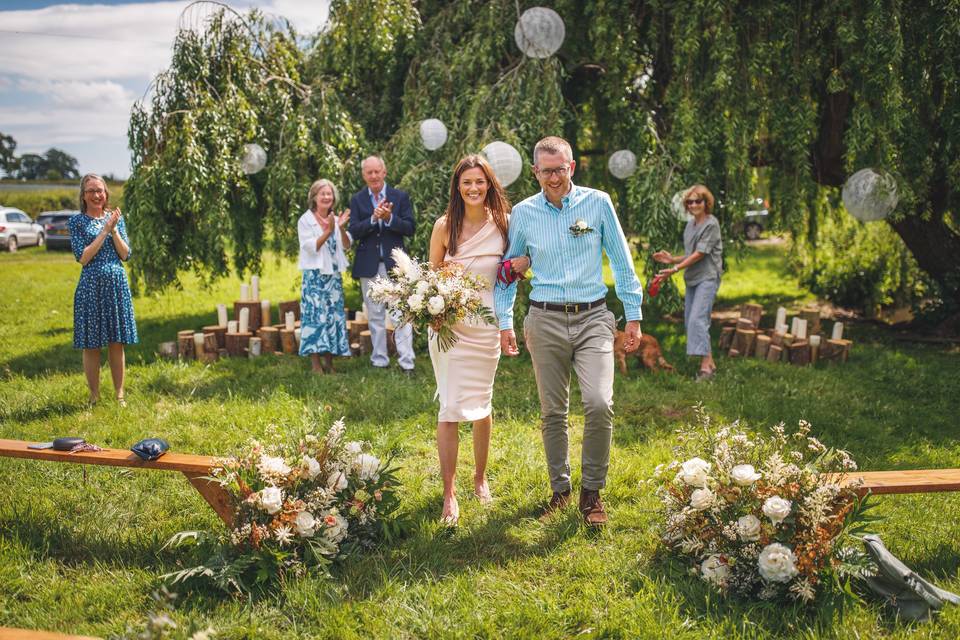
[18, 230]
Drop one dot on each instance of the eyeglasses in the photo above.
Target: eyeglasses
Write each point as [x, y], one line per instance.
[98, 192]
[549, 173]
[693, 201]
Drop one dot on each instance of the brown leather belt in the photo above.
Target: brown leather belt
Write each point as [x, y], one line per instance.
[568, 307]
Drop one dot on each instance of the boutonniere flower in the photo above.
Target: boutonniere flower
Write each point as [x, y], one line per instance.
[580, 227]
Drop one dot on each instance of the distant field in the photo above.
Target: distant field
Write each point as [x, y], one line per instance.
[36, 197]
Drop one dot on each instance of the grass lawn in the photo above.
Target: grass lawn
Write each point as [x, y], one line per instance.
[81, 547]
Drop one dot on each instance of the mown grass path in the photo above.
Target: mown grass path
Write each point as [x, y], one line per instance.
[80, 549]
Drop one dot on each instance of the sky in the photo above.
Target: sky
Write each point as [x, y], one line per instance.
[69, 73]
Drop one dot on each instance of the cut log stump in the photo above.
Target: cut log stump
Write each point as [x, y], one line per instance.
[752, 312]
[185, 345]
[237, 343]
[288, 341]
[220, 332]
[271, 339]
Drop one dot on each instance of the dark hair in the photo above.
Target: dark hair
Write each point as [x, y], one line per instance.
[496, 202]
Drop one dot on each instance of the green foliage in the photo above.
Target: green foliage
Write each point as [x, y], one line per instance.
[34, 202]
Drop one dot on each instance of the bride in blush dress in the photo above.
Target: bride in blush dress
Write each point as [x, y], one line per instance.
[473, 233]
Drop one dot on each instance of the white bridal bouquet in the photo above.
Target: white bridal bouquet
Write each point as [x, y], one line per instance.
[766, 517]
[435, 297]
[299, 505]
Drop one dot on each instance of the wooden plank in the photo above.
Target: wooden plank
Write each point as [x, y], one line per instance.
[907, 481]
[184, 462]
[215, 495]
[7, 633]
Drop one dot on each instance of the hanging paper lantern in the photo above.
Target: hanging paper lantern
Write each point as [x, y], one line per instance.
[622, 164]
[254, 158]
[539, 32]
[505, 161]
[870, 195]
[678, 207]
[433, 133]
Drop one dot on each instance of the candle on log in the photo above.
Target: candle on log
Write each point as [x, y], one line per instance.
[288, 321]
[781, 317]
[244, 292]
[222, 315]
[198, 343]
[264, 313]
[232, 327]
[244, 320]
[793, 325]
[801, 331]
[837, 331]
[255, 288]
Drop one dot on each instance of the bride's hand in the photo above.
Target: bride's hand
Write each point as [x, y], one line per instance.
[520, 264]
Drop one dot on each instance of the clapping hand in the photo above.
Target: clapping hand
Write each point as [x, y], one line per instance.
[663, 257]
[343, 218]
[112, 220]
[384, 211]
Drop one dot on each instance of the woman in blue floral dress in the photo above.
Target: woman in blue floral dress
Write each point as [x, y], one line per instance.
[323, 243]
[102, 305]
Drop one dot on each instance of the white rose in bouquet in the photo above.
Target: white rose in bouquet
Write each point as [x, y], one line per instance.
[435, 305]
[715, 570]
[310, 468]
[337, 481]
[694, 472]
[749, 528]
[777, 563]
[353, 448]
[422, 287]
[273, 466]
[444, 288]
[305, 524]
[744, 475]
[702, 499]
[270, 500]
[367, 466]
[415, 302]
[777, 509]
[335, 526]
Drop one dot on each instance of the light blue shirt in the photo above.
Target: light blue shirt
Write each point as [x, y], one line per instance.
[568, 267]
[373, 201]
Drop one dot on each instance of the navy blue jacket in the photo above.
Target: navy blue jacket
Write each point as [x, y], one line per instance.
[368, 238]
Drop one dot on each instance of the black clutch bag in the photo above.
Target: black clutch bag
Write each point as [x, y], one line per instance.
[150, 448]
[66, 444]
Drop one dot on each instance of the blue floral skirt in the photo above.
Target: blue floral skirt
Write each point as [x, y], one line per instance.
[103, 308]
[323, 322]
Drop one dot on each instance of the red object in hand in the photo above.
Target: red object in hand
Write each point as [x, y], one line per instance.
[505, 274]
[654, 287]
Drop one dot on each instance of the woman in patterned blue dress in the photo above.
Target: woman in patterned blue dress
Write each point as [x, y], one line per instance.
[102, 305]
[323, 243]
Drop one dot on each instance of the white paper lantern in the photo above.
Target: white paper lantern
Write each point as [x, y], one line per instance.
[870, 195]
[433, 133]
[505, 161]
[622, 164]
[539, 32]
[678, 207]
[254, 158]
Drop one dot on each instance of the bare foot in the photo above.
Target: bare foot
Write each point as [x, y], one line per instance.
[482, 491]
[451, 512]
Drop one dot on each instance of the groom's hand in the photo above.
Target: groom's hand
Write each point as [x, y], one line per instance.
[631, 336]
[508, 342]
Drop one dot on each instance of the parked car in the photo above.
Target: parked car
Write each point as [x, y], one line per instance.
[755, 219]
[56, 227]
[18, 230]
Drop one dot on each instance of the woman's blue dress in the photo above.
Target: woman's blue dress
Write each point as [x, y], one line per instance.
[323, 322]
[102, 304]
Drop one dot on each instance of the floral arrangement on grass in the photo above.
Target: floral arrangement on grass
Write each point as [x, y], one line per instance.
[300, 505]
[435, 297]
[770, 517]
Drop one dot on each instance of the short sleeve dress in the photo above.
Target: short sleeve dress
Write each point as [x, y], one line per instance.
[102, 304]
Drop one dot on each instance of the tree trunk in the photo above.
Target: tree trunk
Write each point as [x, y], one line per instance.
[937, 249]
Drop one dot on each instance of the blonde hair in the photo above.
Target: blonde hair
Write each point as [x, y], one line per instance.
[553, 145]
[315, 189]
[703, 192]
[83, 185]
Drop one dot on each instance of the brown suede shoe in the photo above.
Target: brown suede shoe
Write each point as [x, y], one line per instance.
[591, 508]
[558, 502]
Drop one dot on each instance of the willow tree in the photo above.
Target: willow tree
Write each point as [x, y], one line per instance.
[236, 81]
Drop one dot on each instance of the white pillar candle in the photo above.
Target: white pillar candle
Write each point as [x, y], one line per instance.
[781, 317]
[244, 319]
[793, 325]
[360, 317]
[264, 313]
[232, 326]
[814, 341]
[801, 331]
[256, 346]
[781, 328]
[296, 334]
[255, 288]
[198, 342]
[288, 321]
[222, 315]
[837, 331]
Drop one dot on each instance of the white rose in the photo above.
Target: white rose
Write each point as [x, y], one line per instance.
[776, 508]
[744, 475]
[270, 465]
[702, 499]
[444, 288]
[715, 570]
[435, 305]
[422, 287]
[337, 481]
[777, 563]
[415, 302]
[311, 468]
[694, 472]
[335, 526]
[271, 500]
[305, 524]
[749, 528]
[353, 448]
[367, 466]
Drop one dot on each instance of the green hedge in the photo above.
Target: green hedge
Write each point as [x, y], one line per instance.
[35, 202]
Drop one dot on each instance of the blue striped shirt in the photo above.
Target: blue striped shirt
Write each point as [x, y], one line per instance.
[568, 267]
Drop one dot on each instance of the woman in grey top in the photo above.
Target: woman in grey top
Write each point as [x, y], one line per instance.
[703, 262]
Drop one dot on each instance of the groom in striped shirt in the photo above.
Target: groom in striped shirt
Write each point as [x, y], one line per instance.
[565, 229]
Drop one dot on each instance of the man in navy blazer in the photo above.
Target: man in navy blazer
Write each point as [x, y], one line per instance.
[380, 218]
